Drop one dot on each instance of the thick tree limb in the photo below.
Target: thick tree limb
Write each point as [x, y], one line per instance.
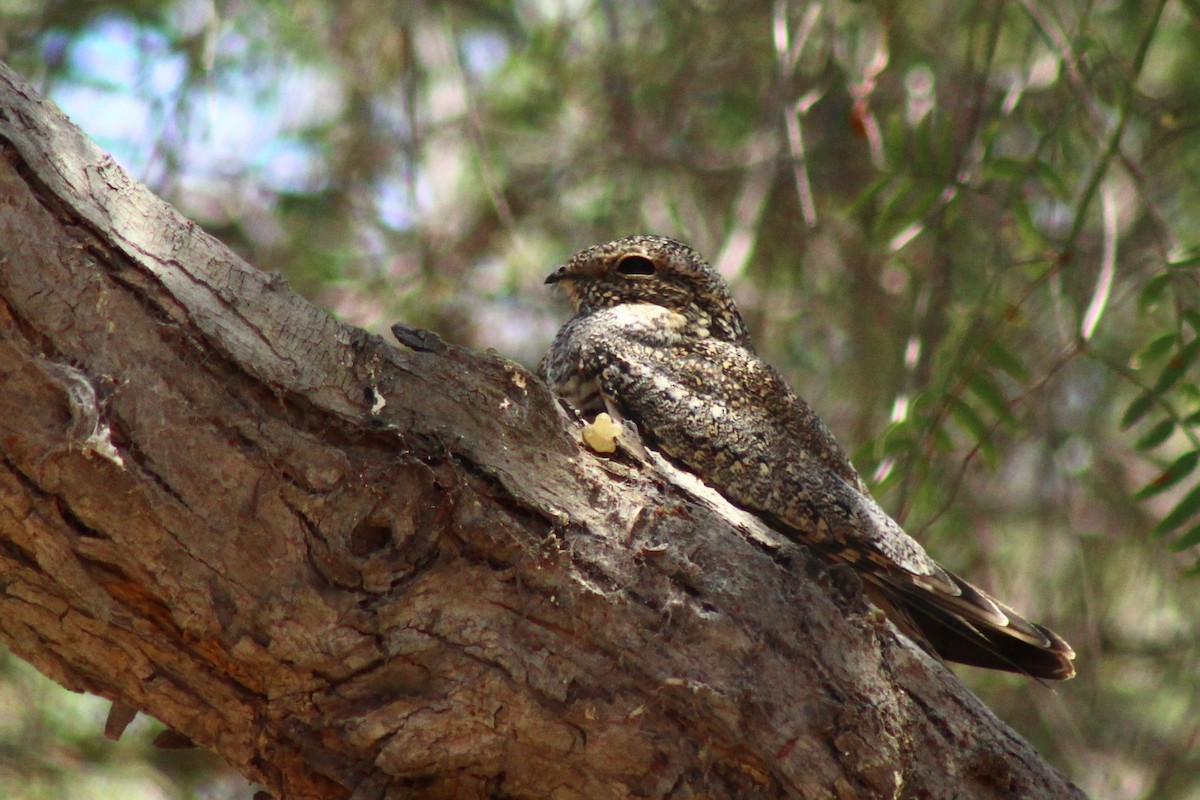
[355, 569]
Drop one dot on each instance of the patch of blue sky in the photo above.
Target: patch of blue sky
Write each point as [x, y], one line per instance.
[125, 83]
[396, 205]
[116, 68]
[130, 92]
[120, 54]
[483, 52]
[118, 123]
[289, 165]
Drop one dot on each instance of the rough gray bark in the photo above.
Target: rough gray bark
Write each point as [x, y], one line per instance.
[355, 569]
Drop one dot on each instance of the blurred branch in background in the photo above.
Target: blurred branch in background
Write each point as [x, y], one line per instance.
[902, 195]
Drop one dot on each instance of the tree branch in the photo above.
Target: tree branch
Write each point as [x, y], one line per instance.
[358, 570]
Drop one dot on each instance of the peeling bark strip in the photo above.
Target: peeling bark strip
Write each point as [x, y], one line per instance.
[355, 569]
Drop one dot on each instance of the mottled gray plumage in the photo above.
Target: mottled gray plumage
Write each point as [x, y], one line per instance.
[657, 339]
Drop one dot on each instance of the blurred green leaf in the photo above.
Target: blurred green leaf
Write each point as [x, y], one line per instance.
[1177, 366]
[1189, 260]
[1158, 347]
[897, 202]
[1015, 169]
[1003, 358]
[1179, 469]
[1185, 510]
[868, 196]
[1006, 168]
[1152, 292]
[942, 440]
[1031, 235]
[1190, 538]
[898, 439]
[1137, 409]
[1156, 435]
[970, 420]
[992, 396]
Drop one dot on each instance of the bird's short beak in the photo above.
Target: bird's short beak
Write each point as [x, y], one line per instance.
[558, 275]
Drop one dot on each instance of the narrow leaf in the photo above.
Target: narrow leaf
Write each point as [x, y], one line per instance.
[1158, 347]
[1004, 359]
[898, 439]
[1031, 236]
[868, 195]
[1177, 366]
[992, 396]
[1153, 290]
[1181, 513]
[1179, 469]
[1156, 435]
[1190, 538]
[898, 198]
[1137, 409]
[972, 422]
[1052, 179]
[1189, 260]
[1007, 168]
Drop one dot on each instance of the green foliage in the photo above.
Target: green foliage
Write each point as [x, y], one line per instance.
[1170, 359]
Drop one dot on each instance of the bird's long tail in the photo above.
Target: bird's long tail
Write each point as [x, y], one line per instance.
[972, 627]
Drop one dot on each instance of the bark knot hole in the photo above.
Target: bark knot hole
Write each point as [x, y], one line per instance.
[370, 536]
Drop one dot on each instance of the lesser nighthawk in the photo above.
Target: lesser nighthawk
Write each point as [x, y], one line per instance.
[657, 339]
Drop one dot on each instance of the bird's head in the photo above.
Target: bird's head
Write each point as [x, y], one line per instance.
[655, 270]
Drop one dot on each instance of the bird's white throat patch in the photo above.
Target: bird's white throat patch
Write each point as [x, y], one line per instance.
[646, 318]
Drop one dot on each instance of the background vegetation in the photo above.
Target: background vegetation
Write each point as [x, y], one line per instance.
[967, 231]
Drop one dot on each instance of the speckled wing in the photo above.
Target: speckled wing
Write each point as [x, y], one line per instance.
[729, 417]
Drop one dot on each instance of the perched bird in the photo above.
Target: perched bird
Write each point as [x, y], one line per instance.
[657, 339]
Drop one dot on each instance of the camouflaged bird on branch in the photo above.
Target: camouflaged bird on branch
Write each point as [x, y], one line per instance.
[657, 339]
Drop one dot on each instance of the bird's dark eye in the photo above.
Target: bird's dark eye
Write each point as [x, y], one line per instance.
[635, 265]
